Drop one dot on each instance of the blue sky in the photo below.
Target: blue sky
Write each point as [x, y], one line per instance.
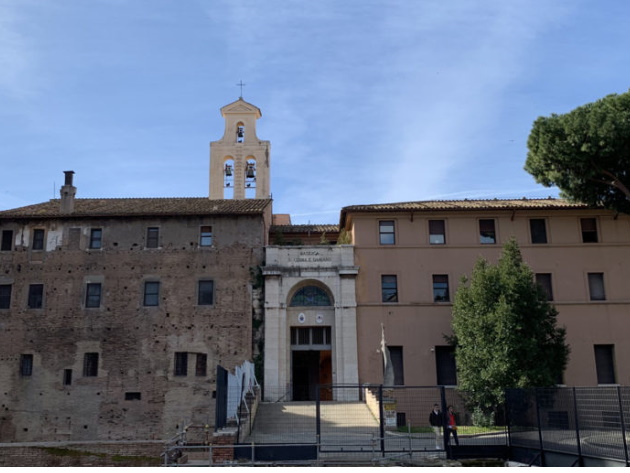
[363, 101]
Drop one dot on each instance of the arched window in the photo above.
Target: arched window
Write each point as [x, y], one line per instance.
[240, 132]
[310, 296]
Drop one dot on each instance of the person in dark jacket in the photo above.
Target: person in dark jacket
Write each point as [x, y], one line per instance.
[436, 419]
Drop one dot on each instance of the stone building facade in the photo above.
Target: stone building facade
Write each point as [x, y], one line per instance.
[310, 322]
[113, 317]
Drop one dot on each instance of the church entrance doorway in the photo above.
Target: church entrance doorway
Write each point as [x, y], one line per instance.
[310, 369]
[311, 363]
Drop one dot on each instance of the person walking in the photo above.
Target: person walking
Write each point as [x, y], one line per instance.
[436, 419]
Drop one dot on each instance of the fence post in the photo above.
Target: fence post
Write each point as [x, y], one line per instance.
[444, 419]
[381, 410]
[577, 428]
[540, 438]
[318, 419]
[623, 425]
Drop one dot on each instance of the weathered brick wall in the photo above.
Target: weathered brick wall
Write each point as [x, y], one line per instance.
[136, 344]
[106, 454]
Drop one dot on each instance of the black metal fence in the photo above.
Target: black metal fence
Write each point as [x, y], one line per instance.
[375, 421]
[569, 426]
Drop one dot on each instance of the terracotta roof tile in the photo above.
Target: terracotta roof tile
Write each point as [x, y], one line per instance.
[140, 207]
[468, 204]
[463, 205]
[317, 228]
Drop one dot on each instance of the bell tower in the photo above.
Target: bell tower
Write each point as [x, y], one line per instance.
[239, 162]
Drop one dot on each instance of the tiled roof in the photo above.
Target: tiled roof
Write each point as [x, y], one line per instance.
[141, 207]
[464, 205]
[468, 204]
[304, 229]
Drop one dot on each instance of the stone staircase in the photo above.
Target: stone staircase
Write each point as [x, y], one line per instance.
[296, 422]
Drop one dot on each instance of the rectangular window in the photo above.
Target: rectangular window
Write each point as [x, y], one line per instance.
[133, 396]
[387, 235]
[440, 288]
[96, 238]
[544, 281]
[538, 230]
[205, 236]
[201, 365]
[311, 336]
[67, 377]
[93, 295]
[389, 288]
[589, 230]
[90, 365]
[205, 293]
[5, 296]
[445, 365]
[35, 296]
[487, 233]
[7, 240]
[151, 293]
[437, 232]
[396, 357]
[38, 239]
[26, 365]
[596, 286]
[605, 364]
[153, 237]
[181, 363]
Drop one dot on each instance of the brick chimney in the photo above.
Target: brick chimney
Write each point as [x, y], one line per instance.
[68, 191]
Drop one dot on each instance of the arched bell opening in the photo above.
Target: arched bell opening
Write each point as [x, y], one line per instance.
[228, 178]
[250, 178]
[240, 132]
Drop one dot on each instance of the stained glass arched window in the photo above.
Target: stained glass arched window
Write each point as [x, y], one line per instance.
[310, 296]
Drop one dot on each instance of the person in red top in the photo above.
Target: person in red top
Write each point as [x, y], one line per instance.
[451, 426]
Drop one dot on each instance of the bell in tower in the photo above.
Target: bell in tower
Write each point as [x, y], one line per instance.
[240, 165]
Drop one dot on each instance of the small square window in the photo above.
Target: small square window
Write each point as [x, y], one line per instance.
[389, 288]
[387, 232]
[7, 240]
[36, 296]
[96, 238]
[153, 237]
[205, 293]
[181, 363]
[205, 236]
[596, 286]
[5, 296]
[589, 230]
[440, 288]
[487, 233]
[90, 365]
[26, 365]
[38, 239]
[538, 230]
[437, 232]
[93, 295]
[151, 293]
[544, 281]
[201, 365]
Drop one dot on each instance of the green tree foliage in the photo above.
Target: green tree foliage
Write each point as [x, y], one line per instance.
[505, 331]
[585, 153]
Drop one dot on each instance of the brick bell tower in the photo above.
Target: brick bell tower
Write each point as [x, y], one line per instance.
[239, 162]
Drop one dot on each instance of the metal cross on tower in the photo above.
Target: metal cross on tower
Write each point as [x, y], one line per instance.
[240, 84]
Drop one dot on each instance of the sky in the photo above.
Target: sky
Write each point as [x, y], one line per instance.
[363, 101]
